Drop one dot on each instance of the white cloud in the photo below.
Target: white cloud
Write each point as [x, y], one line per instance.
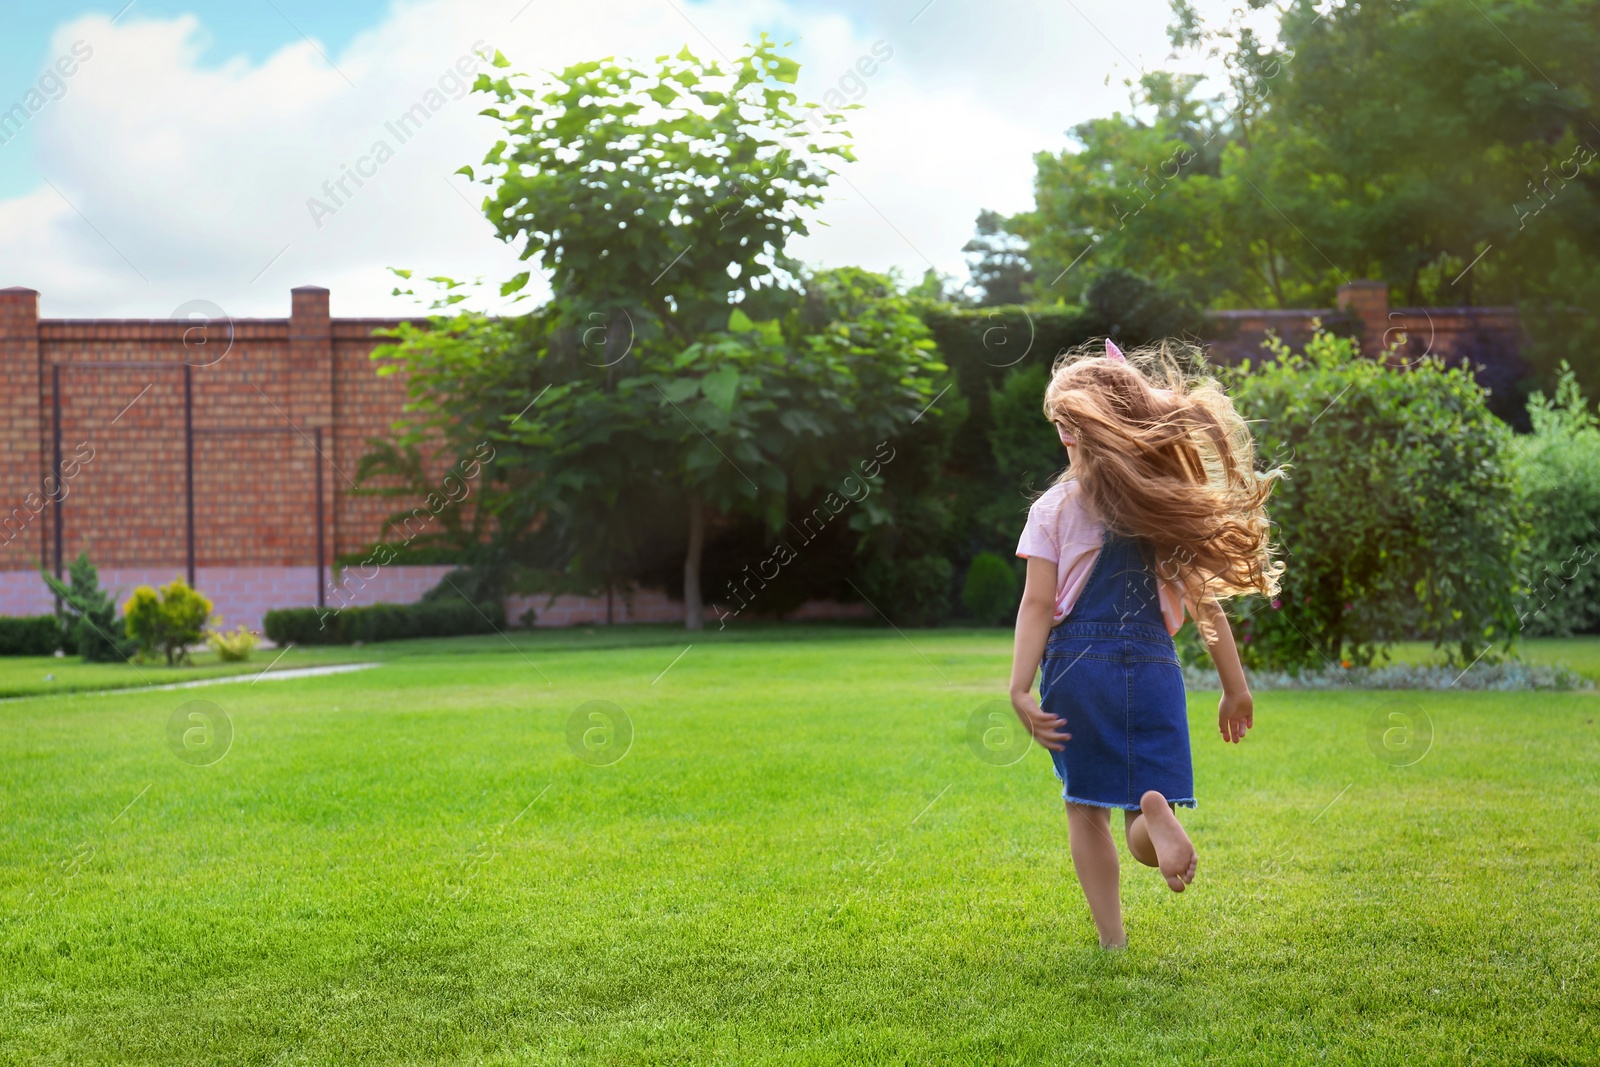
[193, 178]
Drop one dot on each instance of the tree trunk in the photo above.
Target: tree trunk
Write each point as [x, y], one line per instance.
[693, 617]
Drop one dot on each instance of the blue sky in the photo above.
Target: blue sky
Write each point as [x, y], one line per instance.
[252, 28]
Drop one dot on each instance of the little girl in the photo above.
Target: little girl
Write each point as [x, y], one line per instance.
[1160, 510]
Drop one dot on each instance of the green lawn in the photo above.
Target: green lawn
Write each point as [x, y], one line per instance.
[800, 860]
[1581, 654]
[39, 675]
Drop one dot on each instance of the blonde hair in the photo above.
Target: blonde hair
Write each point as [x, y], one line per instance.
[1162, 457]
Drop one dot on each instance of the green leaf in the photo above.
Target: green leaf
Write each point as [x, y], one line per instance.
[515, 284]
[785, 69]
[467, 170]
[721, 386]
[739, 322]
[678, 390]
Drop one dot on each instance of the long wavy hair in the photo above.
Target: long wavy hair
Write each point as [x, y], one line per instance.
[1163, 457]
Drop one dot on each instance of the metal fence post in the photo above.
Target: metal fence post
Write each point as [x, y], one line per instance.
[322, 585]
[188, 459]
[59, 494]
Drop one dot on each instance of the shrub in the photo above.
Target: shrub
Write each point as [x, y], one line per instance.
[304, 626]
[429, 618]
[1559, 468]
[911, 592]
[232, 648]
[990, 592]
[1133, 310]
[88, 616]
[29, 635]
[168, 624]
[381, 622]
[1191, 648]
[1026, 450]
[1399, 518]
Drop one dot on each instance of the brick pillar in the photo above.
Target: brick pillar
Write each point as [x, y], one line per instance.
[1368, 301]
[310, 401]
[21, 432]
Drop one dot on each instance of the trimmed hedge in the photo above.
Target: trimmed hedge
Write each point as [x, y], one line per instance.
[29, 635]
[381, 622]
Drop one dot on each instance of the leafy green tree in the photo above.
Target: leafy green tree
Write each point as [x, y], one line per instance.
[1148, 196]
[660, 202]
[667, 194]
[998, 262]
[1452, 152]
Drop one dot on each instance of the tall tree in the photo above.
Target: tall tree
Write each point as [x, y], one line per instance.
[1451, 151]
[997, 262]
[674, 375]
[662, 199]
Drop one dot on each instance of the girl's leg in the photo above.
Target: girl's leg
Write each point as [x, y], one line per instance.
[1138, 836]
[1094, 857]
[1157, 839]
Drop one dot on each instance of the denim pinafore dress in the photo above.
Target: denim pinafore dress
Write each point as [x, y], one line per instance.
[1111, 671]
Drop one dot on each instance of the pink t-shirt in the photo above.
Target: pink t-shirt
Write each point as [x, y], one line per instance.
[1062, 530]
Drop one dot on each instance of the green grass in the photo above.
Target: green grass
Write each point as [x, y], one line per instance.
[798, 861]
[1581, 654]
[43, 675]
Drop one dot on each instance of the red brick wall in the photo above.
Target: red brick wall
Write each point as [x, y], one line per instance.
[1449, 332]
[365, 407]
[261, 391]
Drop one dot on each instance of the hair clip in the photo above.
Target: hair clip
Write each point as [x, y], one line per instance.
[1113, 353]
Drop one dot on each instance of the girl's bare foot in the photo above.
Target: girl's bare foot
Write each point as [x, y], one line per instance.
[1174, 851]
[1114, 946]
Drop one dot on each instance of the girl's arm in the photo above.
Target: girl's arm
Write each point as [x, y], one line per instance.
[1236, 712]
[1034, 619]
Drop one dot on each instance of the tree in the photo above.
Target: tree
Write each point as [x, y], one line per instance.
[1403, 140]
[589, 461]
[1147, 196]
[997, 262]
[88, 614]
[663, 200]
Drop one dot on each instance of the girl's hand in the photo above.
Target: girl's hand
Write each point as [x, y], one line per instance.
[1235, 715]
[1045, 728]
